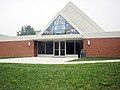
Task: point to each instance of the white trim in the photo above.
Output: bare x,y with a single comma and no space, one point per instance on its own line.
71,23
43,37
45,55
112,34
72,56
102,35
66,56
49,23
59,37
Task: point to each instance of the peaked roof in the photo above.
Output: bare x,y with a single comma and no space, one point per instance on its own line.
4,36
79,20
1,35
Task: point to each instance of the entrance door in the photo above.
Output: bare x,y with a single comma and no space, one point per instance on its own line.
59,48
56,53
62,48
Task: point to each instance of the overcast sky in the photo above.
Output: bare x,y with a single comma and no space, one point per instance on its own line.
37,13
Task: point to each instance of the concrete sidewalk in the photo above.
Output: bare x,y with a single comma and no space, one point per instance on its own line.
50,60
100,61
37,60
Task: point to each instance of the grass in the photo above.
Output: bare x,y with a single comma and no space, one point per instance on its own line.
93,59
102,76
5,57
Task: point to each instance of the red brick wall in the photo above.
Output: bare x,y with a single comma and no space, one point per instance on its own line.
17,49
102,47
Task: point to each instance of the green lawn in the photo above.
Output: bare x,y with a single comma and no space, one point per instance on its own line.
103,76
93,59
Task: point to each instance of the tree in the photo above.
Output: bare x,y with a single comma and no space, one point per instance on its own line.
26,30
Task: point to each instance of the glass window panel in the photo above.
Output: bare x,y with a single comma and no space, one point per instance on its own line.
62,52
56,45
79,46
68,26
56,52
69,47
77,43
60,26
62,45
41,47
49,47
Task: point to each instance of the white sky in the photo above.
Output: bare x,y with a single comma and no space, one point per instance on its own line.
37,13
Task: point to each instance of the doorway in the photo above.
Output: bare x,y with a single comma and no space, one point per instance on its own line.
59,48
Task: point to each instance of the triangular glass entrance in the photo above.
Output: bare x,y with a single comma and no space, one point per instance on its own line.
59,27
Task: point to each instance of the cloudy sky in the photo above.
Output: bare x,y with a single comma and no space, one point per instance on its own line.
37,13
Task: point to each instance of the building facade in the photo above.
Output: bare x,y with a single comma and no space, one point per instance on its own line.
69,32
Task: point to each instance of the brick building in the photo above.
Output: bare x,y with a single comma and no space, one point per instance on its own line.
69,32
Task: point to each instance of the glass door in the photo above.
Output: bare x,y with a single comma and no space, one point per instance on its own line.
56,48
59,48
62,48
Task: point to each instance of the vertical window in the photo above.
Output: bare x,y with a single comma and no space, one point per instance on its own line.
79,46
62,48
49,47
73,47
69,47
45,47
56,48
41,47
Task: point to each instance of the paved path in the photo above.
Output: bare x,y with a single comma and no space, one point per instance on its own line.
100,61
49,60
37,60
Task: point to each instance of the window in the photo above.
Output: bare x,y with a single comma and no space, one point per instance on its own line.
60,26
79,46
41,47
45,47
69,47
74,46
49,47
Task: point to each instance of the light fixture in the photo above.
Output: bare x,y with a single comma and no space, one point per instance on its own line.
29,44
88,42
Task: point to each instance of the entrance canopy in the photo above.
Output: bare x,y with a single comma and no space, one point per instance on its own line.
59,37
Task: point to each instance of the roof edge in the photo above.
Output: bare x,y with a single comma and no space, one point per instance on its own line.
86,17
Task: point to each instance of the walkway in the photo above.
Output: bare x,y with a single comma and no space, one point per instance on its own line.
49,60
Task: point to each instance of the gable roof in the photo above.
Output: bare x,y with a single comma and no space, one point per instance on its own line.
1,35
80,21
4,36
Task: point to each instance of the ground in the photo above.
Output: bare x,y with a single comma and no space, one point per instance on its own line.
94,59
51,60
97,76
